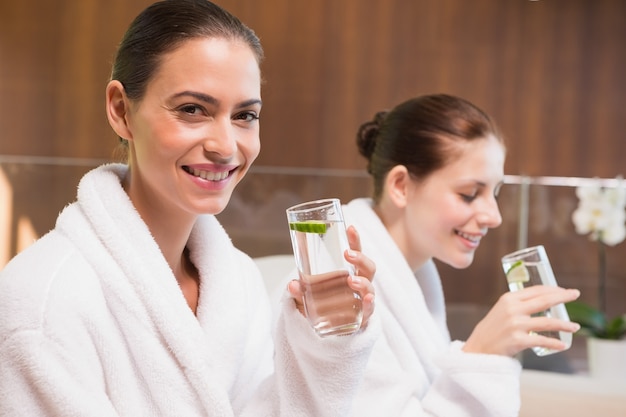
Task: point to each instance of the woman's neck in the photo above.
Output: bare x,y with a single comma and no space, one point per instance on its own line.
171,230
392,218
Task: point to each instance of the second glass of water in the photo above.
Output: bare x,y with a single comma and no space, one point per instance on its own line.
531,266
319,240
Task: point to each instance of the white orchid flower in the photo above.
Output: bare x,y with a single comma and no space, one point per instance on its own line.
601,213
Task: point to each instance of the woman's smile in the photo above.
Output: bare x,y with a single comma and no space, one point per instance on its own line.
211,177
215,174
471,240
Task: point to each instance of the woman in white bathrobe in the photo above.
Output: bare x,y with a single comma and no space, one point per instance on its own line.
437,165
137,303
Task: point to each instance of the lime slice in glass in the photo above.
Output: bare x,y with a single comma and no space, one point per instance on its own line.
518,273
311,226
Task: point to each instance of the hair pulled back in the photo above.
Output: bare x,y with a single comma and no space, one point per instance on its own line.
162,27
423,134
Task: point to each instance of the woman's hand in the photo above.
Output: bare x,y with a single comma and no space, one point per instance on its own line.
508,328
361,282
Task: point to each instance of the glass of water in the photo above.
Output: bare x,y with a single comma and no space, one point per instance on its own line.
319,240
531,266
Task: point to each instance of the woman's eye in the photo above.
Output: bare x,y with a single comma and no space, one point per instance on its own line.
247,116
191,109
468,198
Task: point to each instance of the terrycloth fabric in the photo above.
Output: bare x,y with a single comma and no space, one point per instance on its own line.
93,323
415,370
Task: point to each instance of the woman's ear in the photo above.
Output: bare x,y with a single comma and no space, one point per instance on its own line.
117,108
397,185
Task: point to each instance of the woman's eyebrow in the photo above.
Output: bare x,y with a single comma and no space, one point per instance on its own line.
251,102
199,96
213,101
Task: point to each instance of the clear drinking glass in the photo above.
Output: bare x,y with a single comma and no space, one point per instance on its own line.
319,240
531,266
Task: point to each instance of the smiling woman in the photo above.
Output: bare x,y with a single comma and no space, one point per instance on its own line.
437,164
137,302
194,133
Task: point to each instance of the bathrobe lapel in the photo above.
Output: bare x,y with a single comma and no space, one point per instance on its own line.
141,283
397,286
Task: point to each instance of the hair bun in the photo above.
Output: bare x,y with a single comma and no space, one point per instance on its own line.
368,133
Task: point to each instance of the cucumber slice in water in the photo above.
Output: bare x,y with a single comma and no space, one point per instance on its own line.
311,226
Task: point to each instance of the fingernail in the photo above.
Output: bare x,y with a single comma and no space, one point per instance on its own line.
355,279
575,327
351,253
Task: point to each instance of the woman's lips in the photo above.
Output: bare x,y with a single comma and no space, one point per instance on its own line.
209,175
472,238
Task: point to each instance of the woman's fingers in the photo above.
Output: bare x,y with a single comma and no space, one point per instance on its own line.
360,285
366,290
353,238
538,340
539,298
363,266
513,325
364,270
535,291
550,324
295,289
360,282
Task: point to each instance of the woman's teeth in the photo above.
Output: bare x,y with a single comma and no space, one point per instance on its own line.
471,238
208,175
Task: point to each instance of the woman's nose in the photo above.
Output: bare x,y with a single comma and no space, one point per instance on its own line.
489,215
220,139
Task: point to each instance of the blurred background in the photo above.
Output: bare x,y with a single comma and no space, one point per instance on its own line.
551,72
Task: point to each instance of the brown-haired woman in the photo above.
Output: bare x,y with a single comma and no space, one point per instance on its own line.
137,303
437,165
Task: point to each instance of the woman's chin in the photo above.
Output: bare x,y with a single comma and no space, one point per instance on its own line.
461,262
214,207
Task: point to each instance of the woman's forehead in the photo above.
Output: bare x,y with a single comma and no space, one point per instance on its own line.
208,63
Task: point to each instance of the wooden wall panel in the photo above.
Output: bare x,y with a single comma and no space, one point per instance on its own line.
550,71
55,60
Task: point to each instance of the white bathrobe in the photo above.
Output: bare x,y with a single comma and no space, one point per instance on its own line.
93,323
414,369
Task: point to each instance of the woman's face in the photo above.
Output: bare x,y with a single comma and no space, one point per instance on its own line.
450,211
195,132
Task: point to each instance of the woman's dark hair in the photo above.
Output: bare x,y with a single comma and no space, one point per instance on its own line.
162,27
420,134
